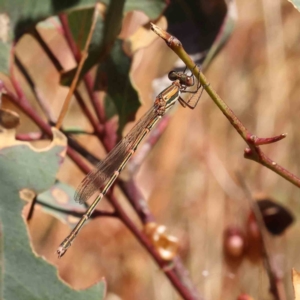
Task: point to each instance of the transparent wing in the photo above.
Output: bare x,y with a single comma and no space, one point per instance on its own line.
94,180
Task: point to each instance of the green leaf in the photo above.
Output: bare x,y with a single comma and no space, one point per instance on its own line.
58,201
21,16
110,107
18,17
119,90
4,57
25,276
25,14
296,4
105,33
80,22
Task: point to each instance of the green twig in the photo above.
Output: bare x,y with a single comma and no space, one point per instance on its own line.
253,152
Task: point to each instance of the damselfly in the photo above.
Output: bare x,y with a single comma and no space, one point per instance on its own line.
108,170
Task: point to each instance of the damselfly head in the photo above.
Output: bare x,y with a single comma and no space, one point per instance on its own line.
182,77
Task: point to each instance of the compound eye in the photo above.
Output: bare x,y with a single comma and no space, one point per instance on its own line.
172,76
189,80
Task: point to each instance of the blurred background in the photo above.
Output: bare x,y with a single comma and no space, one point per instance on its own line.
189,178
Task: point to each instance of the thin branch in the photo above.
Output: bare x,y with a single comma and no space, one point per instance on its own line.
85,153
47,50
136,199
96,214
24,105
87,79
31,209
96,101
74,144
84,55
43,103
264,141
181,283
253,152
98,128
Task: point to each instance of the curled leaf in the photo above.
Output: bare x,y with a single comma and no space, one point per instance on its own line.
276,217
24,172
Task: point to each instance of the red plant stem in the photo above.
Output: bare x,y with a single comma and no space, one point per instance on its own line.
136,199
48,113
263,141
260,157
28,137
41,101
97,104
96,126
171,273
23,104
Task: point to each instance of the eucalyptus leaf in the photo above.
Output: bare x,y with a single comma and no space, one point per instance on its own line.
58,201
106,31
23,15
23,170
18,17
